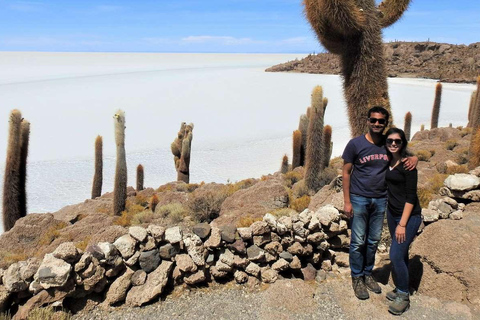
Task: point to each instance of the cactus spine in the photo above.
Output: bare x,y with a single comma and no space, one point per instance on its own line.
120,185
327,145
407,128
315,148
297,148
181,149
284,167
98,176
352,30
140,177
12,209
436,106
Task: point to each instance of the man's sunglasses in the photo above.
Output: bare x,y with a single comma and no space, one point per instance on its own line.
398,142
375,120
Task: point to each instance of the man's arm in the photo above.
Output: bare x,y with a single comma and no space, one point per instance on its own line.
347,205
410,163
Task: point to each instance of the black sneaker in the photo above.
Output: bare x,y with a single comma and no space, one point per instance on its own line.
359,288
372,285
400,304
391,295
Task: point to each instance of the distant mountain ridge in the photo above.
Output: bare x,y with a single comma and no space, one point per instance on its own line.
442,61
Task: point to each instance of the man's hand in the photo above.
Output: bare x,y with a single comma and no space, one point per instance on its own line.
410,163
348,210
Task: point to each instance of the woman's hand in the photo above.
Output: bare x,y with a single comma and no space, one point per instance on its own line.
400,234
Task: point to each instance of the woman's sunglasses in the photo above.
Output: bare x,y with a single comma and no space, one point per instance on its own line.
375,120
398,142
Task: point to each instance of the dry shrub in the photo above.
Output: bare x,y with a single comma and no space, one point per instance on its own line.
423,155
131,210
104,210
299,190
292,177
424,196
432,186
141,200
247,220
462,155
165,188
465,131
48,313
189,187
175,211
5,316
457,169
327,175
300,204
82,245
283,212
7,257
432,152
145,216
243,184
205,205
52,233
451,144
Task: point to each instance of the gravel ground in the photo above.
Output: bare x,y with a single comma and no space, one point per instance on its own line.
285,299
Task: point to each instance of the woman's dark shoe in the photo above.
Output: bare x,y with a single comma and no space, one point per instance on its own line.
359,288
372,285
391,295
400,304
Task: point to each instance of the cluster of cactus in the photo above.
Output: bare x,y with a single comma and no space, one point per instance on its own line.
474,122
436,106
407,127
120,184
352,30
181,149
14,187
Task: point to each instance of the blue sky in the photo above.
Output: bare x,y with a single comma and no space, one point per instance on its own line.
205,25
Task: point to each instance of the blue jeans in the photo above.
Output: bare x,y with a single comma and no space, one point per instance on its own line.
399,251
367,224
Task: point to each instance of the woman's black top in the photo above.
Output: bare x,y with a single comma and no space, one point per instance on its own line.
402,188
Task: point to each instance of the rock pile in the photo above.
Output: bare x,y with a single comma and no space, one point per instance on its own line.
137,267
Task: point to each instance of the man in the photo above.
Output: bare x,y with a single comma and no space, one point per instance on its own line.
365,198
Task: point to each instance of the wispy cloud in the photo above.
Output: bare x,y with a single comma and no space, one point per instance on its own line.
26,6
225,40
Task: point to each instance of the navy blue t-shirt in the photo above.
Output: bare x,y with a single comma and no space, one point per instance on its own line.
370,163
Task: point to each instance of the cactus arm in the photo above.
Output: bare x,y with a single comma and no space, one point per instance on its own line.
391,10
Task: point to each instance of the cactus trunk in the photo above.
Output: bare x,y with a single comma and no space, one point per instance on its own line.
181,149
140,177
407,128
284,167
436,106
327,145
120,185
297,148
98,176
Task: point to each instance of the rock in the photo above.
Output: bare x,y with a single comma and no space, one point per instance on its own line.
274,248
268,275
462,182
305,216
296,249
456,215
173,235
126,245
281,265
253,269
299,230
227,257
133,259
109,251
195,278
262,239
285,221
139,277
13,280
152,288
202,230
185,263
217,274
240,262
286,255
270,220
309,272
149,260
228,233
339,242
42,298
240,276
215,238
53,272
117,267
118,289
4,299
316,237
138,233
430,215
84,261
281,228
321,276
157,232
327,265
473,195
295,264
327,214
149,244
95,251
221,266
195,248
238,246
67,252
97,281
254,253
245,233
342,259
260,228
168,251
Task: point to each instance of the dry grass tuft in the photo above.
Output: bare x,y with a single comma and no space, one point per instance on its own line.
247,220
433,185
292,177
300,204
451,144
52,233
176,212
423,155
82,245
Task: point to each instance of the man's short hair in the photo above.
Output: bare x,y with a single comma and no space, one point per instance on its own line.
379,109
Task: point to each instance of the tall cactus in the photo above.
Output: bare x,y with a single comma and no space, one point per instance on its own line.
436,106
98,176
12,209
474,151
284,167
181,149
140,177
471,108
315,148
327,145
303,128
297,148
24,142
352,30
407,127
120,186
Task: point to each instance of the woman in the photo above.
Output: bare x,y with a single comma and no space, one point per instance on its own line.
403,216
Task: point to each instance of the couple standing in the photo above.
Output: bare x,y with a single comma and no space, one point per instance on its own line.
378,177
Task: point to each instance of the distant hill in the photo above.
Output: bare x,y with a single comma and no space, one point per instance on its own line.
446,62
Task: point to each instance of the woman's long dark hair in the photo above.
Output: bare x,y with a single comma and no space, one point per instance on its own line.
403,147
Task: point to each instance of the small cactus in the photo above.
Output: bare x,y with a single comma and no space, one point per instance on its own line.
297,148
303,128
140,177
327,145
181,149
407,128
284,167
422,127
120,185
154,202
98,176
436,106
